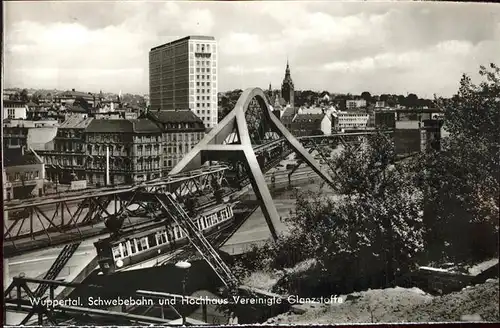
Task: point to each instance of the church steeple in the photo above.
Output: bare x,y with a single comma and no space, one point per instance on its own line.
287,88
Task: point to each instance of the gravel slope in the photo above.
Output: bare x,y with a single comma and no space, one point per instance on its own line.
476,303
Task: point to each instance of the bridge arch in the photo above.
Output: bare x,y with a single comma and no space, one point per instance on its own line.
212,147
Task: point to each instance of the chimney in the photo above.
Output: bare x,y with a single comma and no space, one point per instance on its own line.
73,90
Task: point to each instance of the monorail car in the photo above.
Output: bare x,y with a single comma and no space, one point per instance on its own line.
119,253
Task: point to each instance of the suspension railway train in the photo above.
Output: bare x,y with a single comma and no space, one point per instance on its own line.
121,253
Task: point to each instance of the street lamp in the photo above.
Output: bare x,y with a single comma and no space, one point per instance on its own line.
184,265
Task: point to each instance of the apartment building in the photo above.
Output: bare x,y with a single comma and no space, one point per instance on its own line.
181,131
131,147
183,75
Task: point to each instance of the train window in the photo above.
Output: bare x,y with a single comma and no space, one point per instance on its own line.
158,238
202,223
133,246
152,241
124,249
175,233
130,247
144,243
116,253
206,222
165,235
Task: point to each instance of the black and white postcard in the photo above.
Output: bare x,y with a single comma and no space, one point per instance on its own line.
183,163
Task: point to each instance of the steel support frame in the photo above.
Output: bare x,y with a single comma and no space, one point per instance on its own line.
91,208
212,147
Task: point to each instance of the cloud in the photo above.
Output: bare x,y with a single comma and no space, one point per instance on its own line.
340,47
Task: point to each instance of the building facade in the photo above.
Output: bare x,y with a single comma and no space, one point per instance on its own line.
350,120
183,75
417,130
69,97
132,148
384,119
181,131
15,109
66,161
352,104
22,133
311,124
24,173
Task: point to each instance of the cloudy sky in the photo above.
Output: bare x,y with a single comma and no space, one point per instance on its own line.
381,47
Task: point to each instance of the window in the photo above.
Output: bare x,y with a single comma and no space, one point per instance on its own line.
124,249
198,105
132,246
144,243
117,254
208,70
198,84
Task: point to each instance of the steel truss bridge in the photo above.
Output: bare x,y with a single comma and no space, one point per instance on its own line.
233,156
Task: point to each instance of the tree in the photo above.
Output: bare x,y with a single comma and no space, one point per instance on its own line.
401,100
24,95
411,100
461,183
36,98
374,229
15,96
367,96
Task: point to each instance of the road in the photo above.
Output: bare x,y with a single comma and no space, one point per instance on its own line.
35,265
